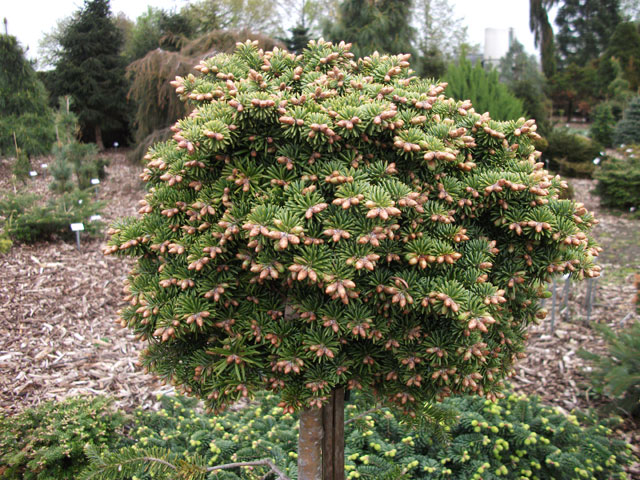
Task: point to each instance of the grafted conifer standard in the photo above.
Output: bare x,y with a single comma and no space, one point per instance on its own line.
320,222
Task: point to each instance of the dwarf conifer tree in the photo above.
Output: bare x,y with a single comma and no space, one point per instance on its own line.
319,223
628,128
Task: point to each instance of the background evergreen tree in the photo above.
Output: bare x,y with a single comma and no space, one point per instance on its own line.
543,33
603,126
157,28
319,224
484,90
91,70
23,104
521,74
584,28
624,45
373,25
628,129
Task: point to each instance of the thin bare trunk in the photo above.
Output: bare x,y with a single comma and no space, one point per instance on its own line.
310,444
98,131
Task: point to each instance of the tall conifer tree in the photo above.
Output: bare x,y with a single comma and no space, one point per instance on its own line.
584,29
373,25
23,103
91,69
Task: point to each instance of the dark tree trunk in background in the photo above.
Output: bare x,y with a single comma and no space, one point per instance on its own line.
98,132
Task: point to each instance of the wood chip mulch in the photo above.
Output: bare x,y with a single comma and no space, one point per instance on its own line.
58,307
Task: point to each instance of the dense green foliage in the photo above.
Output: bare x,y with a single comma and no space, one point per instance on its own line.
628,128
571,154
48,442
29,218
619,180
157,28
330,222
382,26
23,104
80,160
617,375
624,45
91,70
603,126
584,29
516,438
484,90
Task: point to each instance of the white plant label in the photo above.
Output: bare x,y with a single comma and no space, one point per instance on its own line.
77,227
95,181
95,218
33,173
44,165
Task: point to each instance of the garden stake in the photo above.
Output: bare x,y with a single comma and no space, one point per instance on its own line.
553,306
565,292
589,298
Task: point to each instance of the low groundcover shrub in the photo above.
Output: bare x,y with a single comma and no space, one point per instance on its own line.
48,442
515,438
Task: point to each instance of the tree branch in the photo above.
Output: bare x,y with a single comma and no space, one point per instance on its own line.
363,414
265,461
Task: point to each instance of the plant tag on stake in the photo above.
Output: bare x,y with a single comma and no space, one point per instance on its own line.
95,218
95,182
33,173
77,227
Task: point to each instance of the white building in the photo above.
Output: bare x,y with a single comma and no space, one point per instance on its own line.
497,42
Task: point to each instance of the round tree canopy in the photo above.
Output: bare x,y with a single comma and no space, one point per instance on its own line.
320,222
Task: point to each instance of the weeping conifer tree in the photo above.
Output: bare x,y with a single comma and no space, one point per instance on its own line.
319,224
155,103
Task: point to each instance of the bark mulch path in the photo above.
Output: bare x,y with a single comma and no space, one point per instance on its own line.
58,307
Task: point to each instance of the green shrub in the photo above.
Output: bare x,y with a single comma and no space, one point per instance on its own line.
62,173
628,128
617,375
571,154
603,126
484,90
619,180
5,243
83,159
28,219
21,166
513,439
47,442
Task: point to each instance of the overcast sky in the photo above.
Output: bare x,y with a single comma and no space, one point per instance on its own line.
30,19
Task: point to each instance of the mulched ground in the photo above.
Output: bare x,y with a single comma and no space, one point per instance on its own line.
58,306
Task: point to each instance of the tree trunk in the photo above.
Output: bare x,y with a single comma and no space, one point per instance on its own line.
321,440
333,441
98,132
310,444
